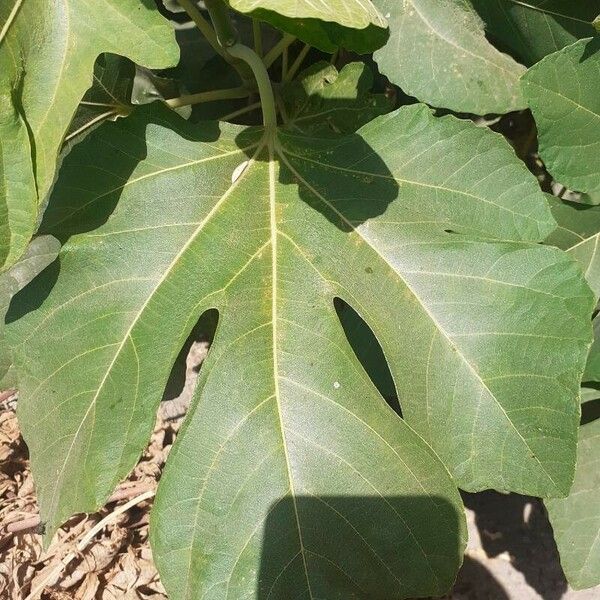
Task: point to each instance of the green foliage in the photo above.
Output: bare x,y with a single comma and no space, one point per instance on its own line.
47,54
438,53
576,519
536,28
325,24
402,312
562,92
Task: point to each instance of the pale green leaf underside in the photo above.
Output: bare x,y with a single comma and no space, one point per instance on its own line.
535,28
269,232
326,24
562,92
47,54
438,53
576,519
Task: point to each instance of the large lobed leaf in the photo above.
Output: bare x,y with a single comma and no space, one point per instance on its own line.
47,54
535,28
438,53
562,92
289,450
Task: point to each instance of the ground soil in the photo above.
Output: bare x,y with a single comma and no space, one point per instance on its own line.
511,553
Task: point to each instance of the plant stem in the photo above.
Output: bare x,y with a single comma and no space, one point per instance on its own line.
210,96
241,111
225,32
297,63
202,24
219,15
274,53
262,80
211,37
284,64
258,45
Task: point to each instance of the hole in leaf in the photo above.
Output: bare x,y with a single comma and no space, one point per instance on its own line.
184,374
369,352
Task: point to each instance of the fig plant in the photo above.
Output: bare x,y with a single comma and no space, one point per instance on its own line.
296,166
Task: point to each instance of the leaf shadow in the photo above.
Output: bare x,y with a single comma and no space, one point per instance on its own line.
112,155
339,176
591,48
518,525
357,547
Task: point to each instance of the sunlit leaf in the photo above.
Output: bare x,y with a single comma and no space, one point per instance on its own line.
562,92
438,53
576,519
403,221
47,54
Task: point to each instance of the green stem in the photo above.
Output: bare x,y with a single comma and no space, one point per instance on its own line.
210,96
239,112
274,53
257,34
211,37
202,24
262,80
284,64
219,14
297,63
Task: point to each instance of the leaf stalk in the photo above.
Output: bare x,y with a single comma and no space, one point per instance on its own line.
209,96
226,33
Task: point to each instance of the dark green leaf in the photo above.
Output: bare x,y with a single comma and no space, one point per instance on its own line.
536,28
270,228
562,92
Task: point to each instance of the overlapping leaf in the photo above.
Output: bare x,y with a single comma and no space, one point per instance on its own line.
536,28
562,92
578,233
326,24
47,54
438,53
398,220
41,252
576,519
323,100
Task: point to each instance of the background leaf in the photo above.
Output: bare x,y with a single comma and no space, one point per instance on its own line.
576,519
438,53
328,25
47,54
536,28
321,99
562,92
